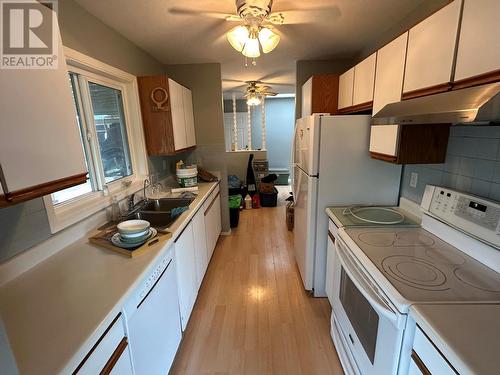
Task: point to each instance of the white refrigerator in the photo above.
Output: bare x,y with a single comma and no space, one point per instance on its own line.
332,167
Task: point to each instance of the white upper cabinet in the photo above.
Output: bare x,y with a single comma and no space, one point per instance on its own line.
39,136
307,98
479,43
364,79
189,117
431,49
389,73
346,86
181,104
178,116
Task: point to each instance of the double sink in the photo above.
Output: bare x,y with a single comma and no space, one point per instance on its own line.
158,211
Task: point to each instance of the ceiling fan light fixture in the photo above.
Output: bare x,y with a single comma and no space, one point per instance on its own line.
253,100
268,39
238,37
251,48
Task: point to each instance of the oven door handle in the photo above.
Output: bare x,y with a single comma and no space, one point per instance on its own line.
379,305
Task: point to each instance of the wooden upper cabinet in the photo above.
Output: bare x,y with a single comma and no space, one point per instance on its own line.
431,51
167,115
478,57
40,147
364,79
389,73
320,94
346,88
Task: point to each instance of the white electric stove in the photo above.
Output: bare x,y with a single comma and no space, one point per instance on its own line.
381,271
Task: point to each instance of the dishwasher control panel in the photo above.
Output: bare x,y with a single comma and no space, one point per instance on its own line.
471,214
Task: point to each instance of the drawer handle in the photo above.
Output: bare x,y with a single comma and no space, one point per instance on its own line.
108,367
211,203
421,366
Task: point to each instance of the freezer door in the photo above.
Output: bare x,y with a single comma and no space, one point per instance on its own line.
306,144
305,190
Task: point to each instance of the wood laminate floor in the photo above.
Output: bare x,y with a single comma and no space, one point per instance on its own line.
252,315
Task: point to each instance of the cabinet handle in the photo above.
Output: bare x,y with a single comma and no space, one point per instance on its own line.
332,237
211,203
3,183
421,366
108,367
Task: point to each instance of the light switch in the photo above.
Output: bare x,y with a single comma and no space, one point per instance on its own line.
413,179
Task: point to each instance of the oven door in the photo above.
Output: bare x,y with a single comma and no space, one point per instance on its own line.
373,328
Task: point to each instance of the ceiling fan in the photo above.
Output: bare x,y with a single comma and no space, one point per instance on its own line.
255,91
258,32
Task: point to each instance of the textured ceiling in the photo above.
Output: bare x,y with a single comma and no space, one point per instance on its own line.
177,32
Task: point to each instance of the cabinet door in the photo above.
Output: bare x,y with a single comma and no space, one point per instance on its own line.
213,224
389,73
186,273
330,262
364,79
479,43
384,139
40,139
178,119
189,117
346,86
431,47
200,246
307,98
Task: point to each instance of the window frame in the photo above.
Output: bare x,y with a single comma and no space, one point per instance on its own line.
64,214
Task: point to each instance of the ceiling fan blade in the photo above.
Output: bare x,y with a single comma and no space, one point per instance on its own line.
301,16
194,12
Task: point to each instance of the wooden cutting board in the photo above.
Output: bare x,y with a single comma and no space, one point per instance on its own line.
103,239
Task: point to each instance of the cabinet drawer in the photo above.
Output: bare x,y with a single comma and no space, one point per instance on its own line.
103,350
427,357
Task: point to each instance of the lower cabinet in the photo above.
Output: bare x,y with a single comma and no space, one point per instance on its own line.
200,246
185,260
110,354
330,263
212,223
426,358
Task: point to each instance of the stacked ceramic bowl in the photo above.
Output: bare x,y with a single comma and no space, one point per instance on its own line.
133,233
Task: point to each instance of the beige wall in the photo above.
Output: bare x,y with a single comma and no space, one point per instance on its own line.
306,69
85,33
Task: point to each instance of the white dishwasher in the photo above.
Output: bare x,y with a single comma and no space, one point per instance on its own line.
153,319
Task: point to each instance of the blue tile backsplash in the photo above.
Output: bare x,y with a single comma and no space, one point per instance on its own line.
472,165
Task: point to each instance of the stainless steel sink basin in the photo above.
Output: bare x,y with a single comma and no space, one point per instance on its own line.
166,204
157,219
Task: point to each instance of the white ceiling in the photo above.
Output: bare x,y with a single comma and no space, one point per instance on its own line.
176,32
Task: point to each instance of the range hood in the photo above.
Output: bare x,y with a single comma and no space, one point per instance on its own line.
475,105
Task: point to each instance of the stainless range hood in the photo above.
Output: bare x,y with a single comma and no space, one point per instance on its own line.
474,105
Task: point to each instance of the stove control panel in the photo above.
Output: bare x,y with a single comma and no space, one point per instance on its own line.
471,214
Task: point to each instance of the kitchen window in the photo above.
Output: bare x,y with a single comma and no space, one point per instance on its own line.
107,113
103,134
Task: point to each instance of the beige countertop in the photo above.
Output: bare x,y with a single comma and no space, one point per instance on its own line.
467,335
54,312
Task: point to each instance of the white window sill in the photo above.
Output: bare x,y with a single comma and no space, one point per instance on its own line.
66,214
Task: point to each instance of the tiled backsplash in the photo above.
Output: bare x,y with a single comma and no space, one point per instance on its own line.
472,165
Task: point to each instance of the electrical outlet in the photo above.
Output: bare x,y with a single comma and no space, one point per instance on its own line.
413,179
164,165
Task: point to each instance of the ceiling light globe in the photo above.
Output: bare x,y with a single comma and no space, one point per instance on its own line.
238,37
251,48
253,100
268,39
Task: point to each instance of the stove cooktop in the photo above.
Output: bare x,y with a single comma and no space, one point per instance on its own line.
423,268
371,216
